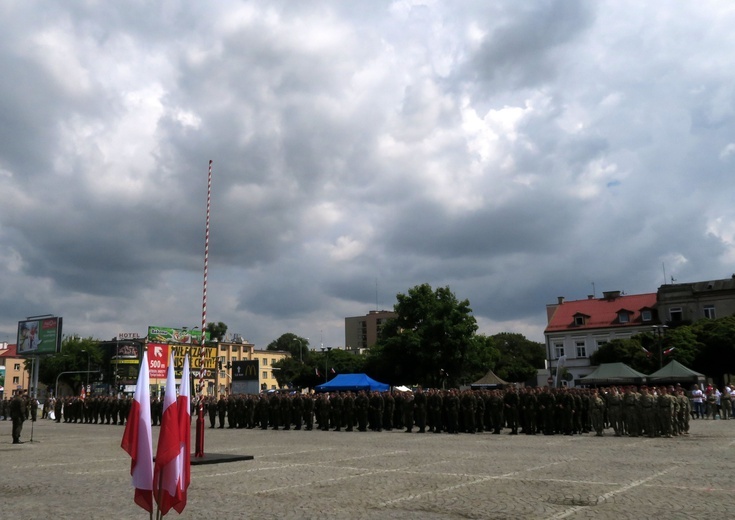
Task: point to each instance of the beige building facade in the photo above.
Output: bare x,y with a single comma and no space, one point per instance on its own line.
15,375
362,332
227,352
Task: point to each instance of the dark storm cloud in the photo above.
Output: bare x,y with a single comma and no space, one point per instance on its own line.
514,152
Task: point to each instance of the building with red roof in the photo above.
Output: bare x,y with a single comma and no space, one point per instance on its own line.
15,376
576,329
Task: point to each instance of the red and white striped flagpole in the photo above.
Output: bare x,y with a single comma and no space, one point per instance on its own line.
202,349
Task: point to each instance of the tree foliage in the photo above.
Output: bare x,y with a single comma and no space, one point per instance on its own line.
433,331
216,331
289,342
520,358
76,355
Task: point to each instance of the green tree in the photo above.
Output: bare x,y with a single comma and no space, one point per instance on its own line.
520,358
216,331
432,331
630,351
297,346
76,355
716,357
482,355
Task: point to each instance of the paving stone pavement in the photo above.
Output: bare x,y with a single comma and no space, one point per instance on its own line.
79,471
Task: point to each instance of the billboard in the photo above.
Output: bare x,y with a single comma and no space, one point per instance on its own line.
158,357
245,370
245,377
39,336
157,360
174,335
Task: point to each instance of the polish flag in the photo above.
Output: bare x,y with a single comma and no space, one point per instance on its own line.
184,457
138,440
316,371
669,351
166,472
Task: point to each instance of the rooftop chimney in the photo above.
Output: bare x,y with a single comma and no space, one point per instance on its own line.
560,299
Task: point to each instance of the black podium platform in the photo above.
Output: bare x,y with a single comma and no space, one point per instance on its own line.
218,458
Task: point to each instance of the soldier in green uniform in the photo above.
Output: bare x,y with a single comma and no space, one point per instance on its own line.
451,410
348,411
286,404
434,404
389,410
297,410
648,406
419,403
308,413
376,411
17,415
361,410
510,409
335,411
468,405
408,412
597,412
614,411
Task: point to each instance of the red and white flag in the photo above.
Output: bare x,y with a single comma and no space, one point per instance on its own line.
138,440
184,457
166,471
669,351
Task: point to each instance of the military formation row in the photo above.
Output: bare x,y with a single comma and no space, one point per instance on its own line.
529,410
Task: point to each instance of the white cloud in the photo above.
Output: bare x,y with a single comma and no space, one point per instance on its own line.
511,151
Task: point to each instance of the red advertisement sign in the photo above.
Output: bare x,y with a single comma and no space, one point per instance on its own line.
157,360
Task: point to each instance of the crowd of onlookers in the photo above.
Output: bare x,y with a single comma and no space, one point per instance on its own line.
634,411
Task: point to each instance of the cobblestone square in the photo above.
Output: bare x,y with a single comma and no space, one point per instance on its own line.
79,471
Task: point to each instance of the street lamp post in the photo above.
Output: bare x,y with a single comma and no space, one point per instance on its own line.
86,388
326,362
658,332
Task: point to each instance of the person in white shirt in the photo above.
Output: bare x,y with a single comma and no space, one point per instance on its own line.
698,402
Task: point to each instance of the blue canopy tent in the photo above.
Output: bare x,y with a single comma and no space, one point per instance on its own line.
353,382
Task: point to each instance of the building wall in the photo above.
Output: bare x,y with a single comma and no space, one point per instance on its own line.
229,352
690,302
362,332
15,374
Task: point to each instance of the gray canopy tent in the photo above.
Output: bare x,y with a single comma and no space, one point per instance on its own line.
675,372
614,374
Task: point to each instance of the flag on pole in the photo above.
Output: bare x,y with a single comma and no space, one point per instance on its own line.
138,440
333,370
166,471
648,352
669,351
184,457
316,371
83,395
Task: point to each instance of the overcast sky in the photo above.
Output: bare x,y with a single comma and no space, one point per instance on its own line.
513,151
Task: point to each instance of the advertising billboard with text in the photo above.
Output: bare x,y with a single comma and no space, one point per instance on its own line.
39,336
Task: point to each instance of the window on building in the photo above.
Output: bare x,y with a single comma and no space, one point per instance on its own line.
581,349
222,348
265,362
579,319
265,375
623,317
646,315
558,350
273,361
236,348
709,312
16,367
600,342
222,374
676,314
16,380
